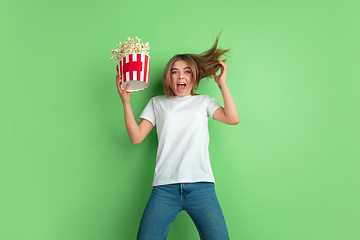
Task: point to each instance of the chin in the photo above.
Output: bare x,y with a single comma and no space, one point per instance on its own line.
184,93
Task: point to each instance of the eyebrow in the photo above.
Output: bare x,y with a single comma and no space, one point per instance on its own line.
178,69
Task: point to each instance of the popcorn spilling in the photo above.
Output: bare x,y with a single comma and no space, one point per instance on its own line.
131,46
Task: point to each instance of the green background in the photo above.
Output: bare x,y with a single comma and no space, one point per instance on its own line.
288,170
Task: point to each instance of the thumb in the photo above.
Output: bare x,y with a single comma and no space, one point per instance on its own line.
215,77
127,87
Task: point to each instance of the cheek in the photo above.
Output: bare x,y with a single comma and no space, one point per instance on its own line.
172,81
191,79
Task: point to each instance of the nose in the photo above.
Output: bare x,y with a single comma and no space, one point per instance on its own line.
181,76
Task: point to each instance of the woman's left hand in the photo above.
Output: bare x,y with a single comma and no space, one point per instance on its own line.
222,76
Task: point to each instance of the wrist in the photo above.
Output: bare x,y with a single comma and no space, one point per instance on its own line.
125,102
221,85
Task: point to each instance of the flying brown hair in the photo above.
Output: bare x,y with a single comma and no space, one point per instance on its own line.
202,65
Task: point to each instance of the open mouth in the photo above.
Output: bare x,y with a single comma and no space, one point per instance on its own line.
181,86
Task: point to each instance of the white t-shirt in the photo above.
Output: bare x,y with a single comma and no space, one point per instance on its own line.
182,129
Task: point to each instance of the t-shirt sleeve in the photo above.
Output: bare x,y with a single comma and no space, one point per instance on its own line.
149,112
212,106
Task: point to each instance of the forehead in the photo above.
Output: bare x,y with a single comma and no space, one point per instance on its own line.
181,64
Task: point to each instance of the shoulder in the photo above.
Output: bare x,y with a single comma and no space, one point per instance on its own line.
159,97
203,98
209,102
158,100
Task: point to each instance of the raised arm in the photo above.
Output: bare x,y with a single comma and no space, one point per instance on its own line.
229,113
137,133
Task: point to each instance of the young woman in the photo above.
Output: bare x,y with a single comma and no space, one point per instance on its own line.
183,178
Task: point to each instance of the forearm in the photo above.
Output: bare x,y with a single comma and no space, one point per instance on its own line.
230,108
132,127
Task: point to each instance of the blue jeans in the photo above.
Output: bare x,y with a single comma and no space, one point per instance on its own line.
197,199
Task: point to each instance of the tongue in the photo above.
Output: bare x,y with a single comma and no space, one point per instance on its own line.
181,87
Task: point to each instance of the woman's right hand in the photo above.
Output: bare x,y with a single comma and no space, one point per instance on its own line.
124,94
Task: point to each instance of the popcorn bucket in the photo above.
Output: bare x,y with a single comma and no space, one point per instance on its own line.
134,70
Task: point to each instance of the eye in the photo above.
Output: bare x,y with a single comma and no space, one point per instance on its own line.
187,71
174,72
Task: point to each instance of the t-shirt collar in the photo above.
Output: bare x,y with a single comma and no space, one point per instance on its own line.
176,98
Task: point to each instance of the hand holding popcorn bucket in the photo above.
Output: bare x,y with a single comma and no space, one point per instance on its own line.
134,64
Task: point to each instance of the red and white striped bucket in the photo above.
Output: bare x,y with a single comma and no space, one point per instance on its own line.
134,69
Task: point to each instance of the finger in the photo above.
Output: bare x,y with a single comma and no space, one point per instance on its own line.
118,82
223,65
127,87
122,87
221,70
222,62
215,77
